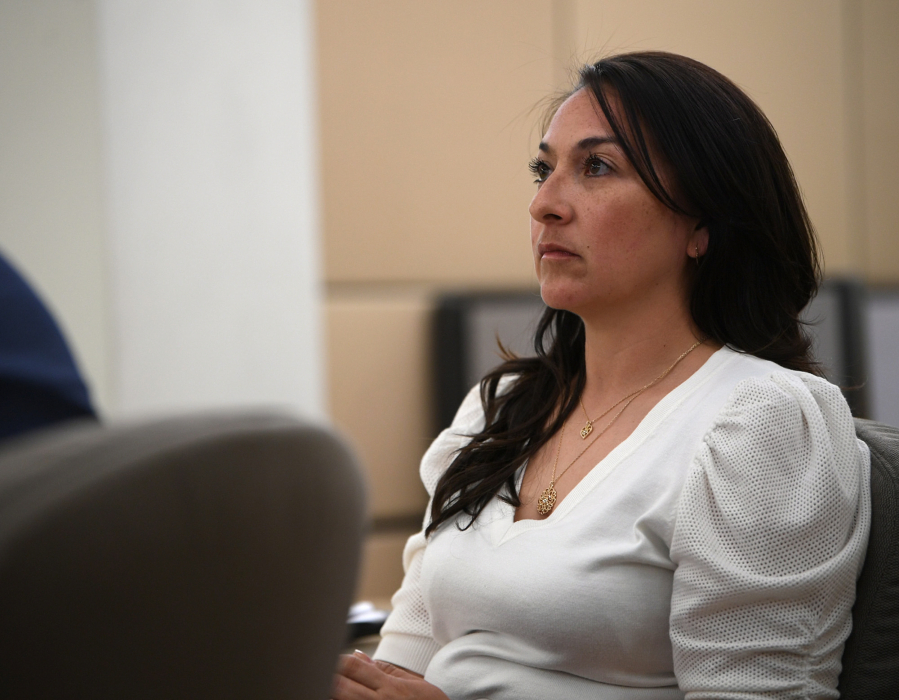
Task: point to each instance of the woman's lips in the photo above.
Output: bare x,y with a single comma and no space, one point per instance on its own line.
551,251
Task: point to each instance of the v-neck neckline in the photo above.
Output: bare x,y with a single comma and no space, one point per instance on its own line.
602,469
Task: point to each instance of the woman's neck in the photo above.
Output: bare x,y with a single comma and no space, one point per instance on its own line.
623,356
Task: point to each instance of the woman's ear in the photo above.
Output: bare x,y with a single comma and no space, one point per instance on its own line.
699,240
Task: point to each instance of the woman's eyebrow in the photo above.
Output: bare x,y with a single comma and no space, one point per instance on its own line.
594,141
582,145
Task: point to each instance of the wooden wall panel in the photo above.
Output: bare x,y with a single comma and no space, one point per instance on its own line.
879,113
381,571
426,134
378,353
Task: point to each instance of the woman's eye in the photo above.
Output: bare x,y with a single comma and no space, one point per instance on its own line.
594,165
540,169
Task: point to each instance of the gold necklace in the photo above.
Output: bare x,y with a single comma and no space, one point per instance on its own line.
588,426
547,500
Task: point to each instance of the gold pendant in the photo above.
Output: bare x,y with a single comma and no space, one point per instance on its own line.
547,500
586,430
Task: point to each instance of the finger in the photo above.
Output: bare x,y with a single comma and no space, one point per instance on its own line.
344,688
397,671
362,671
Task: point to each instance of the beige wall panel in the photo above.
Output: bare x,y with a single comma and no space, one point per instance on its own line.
426,135
381,572
880,41
786,55
378,354
854,131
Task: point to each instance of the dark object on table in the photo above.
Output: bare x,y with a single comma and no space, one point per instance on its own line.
364,620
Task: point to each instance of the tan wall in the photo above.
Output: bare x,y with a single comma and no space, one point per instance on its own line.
425,128
878,114
428,122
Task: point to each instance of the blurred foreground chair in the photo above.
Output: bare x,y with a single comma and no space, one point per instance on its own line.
871,656
204,557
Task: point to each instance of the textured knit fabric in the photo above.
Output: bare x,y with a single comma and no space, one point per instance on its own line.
712,554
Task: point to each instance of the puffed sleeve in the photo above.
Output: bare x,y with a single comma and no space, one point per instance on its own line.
770,535
406,638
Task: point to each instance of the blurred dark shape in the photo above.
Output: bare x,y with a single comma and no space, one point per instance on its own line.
871,656
39,382
364,620
204,556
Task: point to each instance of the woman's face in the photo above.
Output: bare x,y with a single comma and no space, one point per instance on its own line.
600,239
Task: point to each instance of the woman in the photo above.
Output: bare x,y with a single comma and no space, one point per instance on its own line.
668,501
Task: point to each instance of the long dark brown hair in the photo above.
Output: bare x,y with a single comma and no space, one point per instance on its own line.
760,269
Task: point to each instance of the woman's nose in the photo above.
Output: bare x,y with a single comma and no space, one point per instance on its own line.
550,204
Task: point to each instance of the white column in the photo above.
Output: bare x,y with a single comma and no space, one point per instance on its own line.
210,154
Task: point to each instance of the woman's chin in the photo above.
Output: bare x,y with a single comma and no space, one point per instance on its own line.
561,299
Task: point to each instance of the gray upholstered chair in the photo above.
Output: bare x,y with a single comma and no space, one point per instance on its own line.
206,557
871,657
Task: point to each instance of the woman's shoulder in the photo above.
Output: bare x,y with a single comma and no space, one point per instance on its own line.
780,463
757,421
736,388
772,398
777,431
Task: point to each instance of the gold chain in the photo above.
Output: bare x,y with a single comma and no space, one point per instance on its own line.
547,500
588,426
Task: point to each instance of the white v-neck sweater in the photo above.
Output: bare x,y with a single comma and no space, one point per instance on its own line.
712,555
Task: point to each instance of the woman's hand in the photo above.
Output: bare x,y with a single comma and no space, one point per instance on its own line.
360,678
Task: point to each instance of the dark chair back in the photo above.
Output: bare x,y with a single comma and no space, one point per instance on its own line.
871,656
210,557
